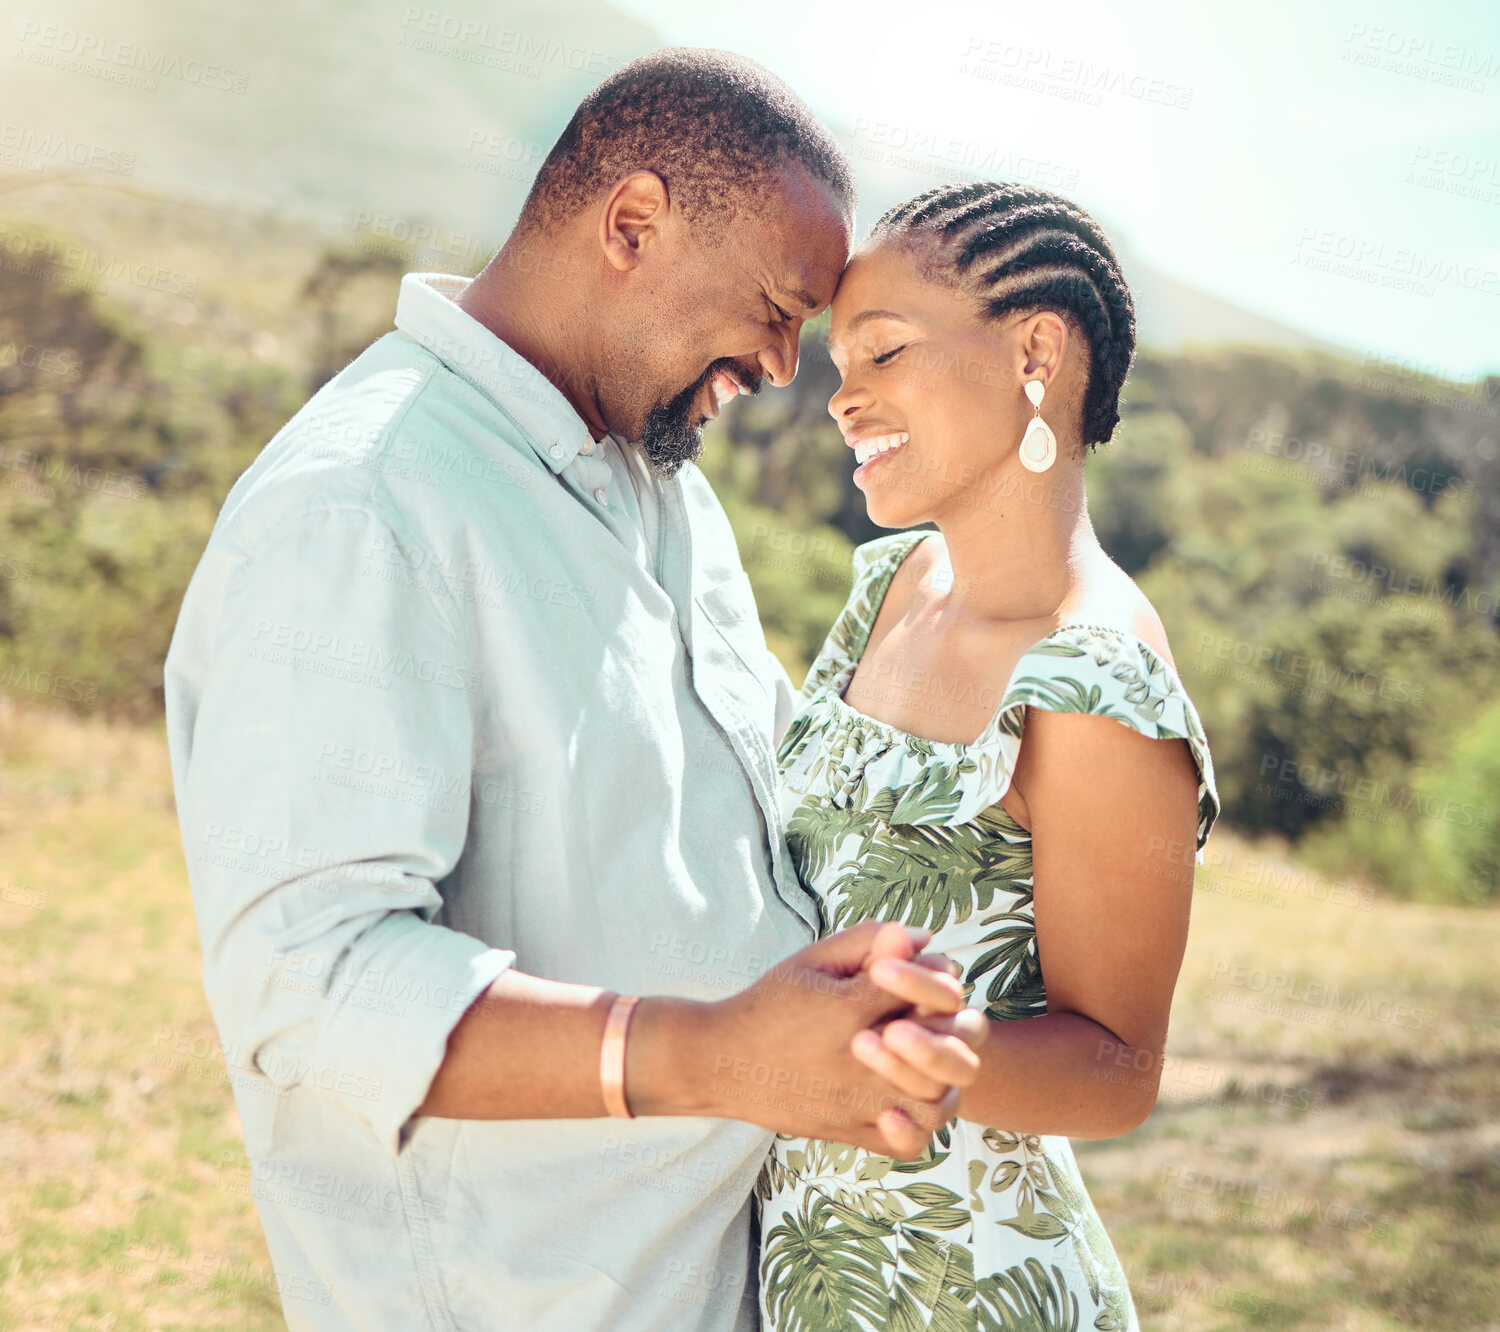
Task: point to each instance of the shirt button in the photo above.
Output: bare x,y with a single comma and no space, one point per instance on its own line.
601,496
586,447
556,451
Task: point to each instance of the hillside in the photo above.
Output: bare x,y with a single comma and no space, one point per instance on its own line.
214,104
429,124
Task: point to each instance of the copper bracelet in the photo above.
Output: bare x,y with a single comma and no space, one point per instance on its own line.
612,1055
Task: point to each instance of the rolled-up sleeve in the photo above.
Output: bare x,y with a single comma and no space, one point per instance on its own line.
322,691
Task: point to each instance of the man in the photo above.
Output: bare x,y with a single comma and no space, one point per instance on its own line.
472,728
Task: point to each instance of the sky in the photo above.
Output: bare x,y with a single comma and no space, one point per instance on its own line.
1333,166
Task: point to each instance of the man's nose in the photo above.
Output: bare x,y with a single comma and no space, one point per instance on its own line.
779,359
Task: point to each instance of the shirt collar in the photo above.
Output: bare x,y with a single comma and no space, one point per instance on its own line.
428,313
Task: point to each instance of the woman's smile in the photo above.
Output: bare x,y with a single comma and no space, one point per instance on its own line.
872,448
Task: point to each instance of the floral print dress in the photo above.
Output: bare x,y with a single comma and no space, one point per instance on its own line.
988,1229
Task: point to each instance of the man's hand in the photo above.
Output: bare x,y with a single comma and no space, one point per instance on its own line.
794,1051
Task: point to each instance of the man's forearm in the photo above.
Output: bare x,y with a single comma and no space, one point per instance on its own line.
779,1053
528,1048
1059,1074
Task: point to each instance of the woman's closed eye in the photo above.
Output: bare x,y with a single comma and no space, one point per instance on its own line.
886,357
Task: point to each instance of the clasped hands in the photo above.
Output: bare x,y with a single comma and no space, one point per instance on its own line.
858,1038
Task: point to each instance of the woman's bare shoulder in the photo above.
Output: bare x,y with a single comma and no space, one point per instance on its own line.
1111,599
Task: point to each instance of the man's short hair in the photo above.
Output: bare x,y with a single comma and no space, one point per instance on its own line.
713,125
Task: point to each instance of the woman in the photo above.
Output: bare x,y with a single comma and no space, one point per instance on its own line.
994,743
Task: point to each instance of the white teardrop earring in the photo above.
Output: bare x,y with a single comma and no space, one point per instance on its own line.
1038,444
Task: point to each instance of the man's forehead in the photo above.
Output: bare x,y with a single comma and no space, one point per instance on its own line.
809,294
810,268
809,234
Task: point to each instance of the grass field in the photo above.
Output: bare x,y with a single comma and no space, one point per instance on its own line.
1326,1153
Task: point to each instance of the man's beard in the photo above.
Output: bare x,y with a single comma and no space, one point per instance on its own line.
670,438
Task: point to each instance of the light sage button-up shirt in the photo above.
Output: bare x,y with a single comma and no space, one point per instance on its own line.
456,687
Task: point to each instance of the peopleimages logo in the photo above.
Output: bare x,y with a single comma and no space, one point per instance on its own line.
108,59
1420,56
931,151
1355,465
1408,584
1301,991
283,643
1310,672
1069,77
1327,783
508,50
1404,268
43,257
42,146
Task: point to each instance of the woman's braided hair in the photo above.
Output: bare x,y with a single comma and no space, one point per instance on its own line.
1022,249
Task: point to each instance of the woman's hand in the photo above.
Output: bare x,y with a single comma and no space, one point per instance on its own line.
933,1046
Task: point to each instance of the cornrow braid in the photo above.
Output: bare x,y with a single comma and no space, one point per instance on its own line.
1021,249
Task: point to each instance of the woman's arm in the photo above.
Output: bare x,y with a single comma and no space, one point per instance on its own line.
1113,820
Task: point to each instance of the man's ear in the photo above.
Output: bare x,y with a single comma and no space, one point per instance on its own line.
632,218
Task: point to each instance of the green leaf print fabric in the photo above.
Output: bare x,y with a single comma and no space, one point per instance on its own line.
988,1230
